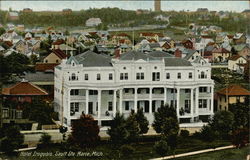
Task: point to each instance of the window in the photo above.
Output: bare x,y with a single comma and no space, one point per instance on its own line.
173,103
139,76
202,103
98,76
86,77
93,92
19,114
126,105
5,113
202,89
110,92
123,76
74,107
187,104
156,76
202,75
73,76
74,92
110,106
46,61
110,76
173,90
126,90
190,75
167,75
179,75
57,61
187,90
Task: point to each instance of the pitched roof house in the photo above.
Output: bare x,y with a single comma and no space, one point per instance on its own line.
55,56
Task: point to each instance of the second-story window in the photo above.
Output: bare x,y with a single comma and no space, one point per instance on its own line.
179,75
98,76
203,75
74,92
86,77
202,89
123,76
167,75
190,75
139,76
73,77
156,76
110,76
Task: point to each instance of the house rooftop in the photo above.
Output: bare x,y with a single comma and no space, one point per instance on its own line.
234,90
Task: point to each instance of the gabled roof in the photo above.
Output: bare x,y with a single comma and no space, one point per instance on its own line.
176,62
59,53
220,50
159,54
235,57
24,88
135,55
92,59
45,66
234,90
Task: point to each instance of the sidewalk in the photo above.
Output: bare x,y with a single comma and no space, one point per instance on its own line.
194,153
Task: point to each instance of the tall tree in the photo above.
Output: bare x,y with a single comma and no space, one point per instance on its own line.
142,121
132,127
241,114
85,132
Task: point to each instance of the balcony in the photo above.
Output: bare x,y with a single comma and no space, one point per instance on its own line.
157,96
79,98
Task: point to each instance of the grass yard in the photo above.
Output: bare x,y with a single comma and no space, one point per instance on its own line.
229,154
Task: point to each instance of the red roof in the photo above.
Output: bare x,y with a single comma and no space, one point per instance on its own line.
122,35
8,43
230,36
59,53
122,41
24,88
152,41
58,42
234,58
220,50
234,90
45,66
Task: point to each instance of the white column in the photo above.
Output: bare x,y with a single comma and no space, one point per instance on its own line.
135,100
87,101
178,103
99,103
150,100
212,99
192,104
165,95
120,105
69,116
114,103
197,100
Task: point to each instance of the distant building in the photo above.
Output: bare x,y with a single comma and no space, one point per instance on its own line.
246,12
157,5
67,11
13,16
142,11
91,22
202,10
27,10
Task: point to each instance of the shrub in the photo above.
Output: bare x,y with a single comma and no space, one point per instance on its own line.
127,149
45,139
184,133
240,137
161,147
208,134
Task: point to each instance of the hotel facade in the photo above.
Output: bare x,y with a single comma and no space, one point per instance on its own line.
99,85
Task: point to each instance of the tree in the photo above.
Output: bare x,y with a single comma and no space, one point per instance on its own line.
117,130
170,126
208,134
2,30
142,121
160,116
241,114
45,139
33,59
240,137
132,128
85,132
161,147
223,122
12,139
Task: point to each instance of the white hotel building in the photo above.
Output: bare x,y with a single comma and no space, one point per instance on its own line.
98,85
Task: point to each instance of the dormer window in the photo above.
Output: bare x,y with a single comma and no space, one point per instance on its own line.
73,64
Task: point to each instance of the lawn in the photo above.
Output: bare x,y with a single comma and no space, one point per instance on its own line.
143,150
229,154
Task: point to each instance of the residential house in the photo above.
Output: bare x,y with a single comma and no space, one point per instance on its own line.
190,54
235,63
56,56
27,10
28,35
13,16
150,35
239,38
231,95
20,93
243,50
91,22
188,44
220,55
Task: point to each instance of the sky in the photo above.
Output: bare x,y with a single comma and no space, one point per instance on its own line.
214,5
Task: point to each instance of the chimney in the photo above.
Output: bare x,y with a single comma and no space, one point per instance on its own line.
117,53
178,53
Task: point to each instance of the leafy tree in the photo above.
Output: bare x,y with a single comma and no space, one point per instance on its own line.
33,59
142,121
161,147
208,134
12,139
45,139
127,150
117,131
223,122
241,114
160,116
2,30
184,133
85,132
170,126
132,128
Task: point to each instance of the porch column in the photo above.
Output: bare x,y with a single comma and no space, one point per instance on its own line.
135,100
114,103
120,105
165,95
212,99
87,101
178,103
192,104
197,100
99,103
150,100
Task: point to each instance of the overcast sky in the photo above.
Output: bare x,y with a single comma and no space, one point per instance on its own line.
215,5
